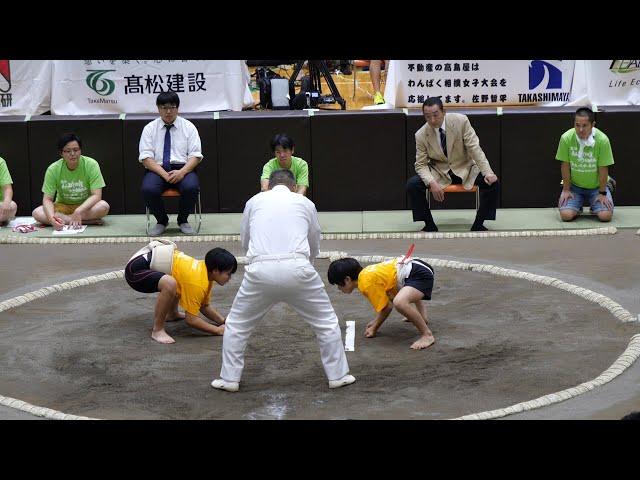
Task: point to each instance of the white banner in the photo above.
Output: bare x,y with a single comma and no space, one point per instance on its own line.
89,87
479,83
25,87
606,82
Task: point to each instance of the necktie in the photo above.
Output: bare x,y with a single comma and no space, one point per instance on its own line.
166,153
443,141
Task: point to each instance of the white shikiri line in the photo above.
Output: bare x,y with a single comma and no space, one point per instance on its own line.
350,336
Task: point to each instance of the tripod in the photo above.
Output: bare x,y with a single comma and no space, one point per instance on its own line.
316,69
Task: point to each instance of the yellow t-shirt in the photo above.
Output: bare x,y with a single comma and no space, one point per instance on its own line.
194,287
378,283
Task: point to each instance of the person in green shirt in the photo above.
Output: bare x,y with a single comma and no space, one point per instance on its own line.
283,147
75,183
585,153
8,207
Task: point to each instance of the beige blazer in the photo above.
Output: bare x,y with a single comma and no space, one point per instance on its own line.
465,157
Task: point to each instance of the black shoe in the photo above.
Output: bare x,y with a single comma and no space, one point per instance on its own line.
430,228
478,228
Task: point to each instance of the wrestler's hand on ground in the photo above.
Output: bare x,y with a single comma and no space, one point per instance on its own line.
220,329
371,329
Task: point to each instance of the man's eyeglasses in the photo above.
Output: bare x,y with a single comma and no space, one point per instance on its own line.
168,108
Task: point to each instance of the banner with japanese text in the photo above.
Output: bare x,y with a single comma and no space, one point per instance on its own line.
89,87
479,82
25,87
606,82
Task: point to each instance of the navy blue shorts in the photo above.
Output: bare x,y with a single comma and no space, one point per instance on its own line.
421,278
139,275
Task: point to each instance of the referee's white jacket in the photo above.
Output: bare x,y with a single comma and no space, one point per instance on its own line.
280,221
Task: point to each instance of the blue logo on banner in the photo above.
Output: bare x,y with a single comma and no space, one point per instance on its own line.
537,71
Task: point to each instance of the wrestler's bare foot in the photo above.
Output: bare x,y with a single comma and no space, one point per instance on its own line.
175,316
371,330
407,320
423,342
162,337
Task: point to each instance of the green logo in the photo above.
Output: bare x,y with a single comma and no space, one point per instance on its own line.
102,86
624,66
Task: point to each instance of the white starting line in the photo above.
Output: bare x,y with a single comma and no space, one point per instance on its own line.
350,336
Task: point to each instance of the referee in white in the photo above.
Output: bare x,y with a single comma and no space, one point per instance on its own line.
281,233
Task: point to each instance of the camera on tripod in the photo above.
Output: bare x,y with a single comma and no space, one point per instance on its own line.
315,98
277,93
310,95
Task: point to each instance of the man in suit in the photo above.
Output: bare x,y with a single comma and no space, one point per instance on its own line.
448,151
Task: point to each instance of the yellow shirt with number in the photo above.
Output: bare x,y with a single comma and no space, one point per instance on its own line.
194,287
378,283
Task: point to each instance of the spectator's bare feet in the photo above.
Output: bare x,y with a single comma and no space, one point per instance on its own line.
175,316
93,221
162,337
371,330
423,342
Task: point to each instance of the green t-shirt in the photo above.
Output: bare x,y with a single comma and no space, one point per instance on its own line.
72,186
299,168
5,177
584,169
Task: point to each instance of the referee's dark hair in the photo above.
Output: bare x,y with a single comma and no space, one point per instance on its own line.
282,177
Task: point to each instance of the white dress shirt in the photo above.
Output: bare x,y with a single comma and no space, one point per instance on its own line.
279,221
185,141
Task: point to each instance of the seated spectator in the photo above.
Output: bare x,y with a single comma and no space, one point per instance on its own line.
8,207
283,147
170,151
72,188
585,153
448,152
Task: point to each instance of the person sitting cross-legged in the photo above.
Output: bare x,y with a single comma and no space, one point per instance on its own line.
72,189
8,207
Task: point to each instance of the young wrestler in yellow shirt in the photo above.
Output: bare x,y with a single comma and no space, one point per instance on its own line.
379,284
189,285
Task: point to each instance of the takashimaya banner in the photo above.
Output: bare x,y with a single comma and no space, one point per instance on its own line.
131,86
606,82
479,82
25,87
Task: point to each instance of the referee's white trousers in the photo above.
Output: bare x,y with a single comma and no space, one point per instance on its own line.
293,281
